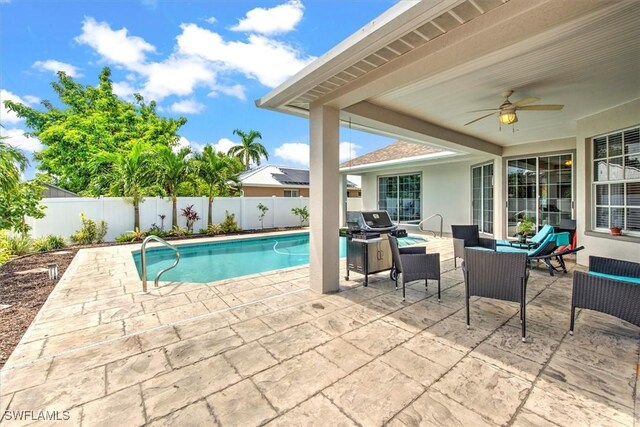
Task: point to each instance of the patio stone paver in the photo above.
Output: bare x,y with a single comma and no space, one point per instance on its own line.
250,359
91,357
295,380
173,390
377,337
360,356
569,406
195,415
343,354
241,405
135,369
374,393
123,408
435,409
490,391
315,412
201,347
293,341
253,329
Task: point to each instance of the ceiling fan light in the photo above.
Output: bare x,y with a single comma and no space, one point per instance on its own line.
507,117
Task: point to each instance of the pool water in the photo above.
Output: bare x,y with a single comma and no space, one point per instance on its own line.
208,262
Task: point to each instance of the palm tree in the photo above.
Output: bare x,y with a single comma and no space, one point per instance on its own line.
249,149
12,164
219,172
174,168
128,174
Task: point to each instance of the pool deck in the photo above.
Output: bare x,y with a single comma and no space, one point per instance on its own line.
264,349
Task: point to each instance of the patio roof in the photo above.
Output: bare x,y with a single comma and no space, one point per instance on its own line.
389,79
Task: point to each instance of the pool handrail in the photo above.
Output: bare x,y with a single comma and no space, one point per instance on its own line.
143,260
427,219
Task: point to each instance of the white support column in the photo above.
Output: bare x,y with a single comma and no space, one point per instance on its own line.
324,200
342,217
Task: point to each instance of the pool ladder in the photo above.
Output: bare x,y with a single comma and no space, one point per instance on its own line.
431,231
143,260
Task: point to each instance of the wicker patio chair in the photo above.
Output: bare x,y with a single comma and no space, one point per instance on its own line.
413,263
466,236
497,275
611,286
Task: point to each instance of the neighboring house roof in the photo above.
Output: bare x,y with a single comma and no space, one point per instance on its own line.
52,191
397,150
276,176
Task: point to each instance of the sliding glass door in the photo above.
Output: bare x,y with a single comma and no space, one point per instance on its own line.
541,189
482,197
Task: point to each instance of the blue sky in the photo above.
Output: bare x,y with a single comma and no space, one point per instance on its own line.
204,60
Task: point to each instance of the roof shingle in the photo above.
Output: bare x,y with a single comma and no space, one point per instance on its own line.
397,150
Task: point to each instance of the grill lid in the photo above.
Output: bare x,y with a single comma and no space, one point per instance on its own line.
371,220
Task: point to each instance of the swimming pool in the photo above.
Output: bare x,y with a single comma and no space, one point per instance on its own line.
208,262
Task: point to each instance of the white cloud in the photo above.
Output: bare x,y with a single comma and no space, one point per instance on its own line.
248,58
348,151
124,90
55,66
115,46
177,75
223,145
187,106
17,138
7,116
294,152
211,20
30,99
276,20
236,90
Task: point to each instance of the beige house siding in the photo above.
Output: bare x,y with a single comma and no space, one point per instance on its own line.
249,191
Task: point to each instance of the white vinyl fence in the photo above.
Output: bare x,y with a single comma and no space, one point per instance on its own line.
62,215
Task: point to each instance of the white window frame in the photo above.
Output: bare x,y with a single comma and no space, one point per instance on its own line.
398,175
594,183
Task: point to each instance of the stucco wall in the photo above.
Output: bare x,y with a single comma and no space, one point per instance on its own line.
249,191
621,117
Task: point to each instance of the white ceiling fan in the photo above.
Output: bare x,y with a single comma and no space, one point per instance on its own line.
507,110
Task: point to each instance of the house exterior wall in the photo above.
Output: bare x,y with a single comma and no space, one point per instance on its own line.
602,244
249,191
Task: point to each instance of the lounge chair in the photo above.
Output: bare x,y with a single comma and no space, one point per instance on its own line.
413,263
498,275
611,286
468,236
553,248
531,243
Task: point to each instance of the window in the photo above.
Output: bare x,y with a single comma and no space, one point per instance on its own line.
482,197
616,181
291,193
400,196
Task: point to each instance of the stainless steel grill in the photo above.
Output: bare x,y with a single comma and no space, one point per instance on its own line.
378,221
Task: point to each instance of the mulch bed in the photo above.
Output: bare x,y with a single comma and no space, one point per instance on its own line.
26,293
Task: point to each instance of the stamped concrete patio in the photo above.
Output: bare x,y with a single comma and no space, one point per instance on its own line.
263,349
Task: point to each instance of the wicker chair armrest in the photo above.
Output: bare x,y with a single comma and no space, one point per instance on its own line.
458,247
615,267
416,250
487,243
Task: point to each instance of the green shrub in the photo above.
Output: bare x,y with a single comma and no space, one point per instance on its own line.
131,236
178,231
229,225
48,243
123,238
90,232
4,250
301,213
211,230
19,245
158,233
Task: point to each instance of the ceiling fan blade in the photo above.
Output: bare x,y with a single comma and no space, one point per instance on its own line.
479,118
526,101
486,109
547,107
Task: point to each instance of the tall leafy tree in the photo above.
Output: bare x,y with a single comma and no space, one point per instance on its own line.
127,174
20,201
249,149
12,164
174,169
219,172
91,120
